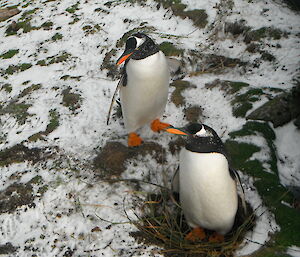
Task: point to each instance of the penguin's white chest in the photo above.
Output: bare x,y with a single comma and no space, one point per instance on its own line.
144,97
208,194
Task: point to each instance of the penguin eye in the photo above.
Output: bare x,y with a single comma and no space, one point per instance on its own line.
131,43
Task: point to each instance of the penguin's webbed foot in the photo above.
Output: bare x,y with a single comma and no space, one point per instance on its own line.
157,126
196,234
216,238
134,139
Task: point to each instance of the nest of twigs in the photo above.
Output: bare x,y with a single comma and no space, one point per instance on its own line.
162,223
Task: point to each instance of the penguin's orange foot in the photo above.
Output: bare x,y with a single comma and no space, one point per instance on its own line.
134,139
196,234
216,238
157,126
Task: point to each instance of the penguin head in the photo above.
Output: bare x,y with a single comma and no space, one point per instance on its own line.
138,46
199,138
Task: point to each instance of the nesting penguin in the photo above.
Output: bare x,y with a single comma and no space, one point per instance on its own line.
144,85
206,184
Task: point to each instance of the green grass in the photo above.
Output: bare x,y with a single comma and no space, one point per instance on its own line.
243,102
169,49
57,36
17,68
54,122
29,90
17,110
9,54
237,86
73,8
71,100
7,87
62,57
268,185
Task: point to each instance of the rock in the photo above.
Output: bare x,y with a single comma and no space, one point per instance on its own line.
193,113
6,13
180,85
111,161
297,122
7,248
280,110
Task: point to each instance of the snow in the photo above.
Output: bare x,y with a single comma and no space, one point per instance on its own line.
287,143
78,201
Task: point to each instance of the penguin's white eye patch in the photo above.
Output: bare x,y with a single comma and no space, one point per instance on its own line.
203,133
139,41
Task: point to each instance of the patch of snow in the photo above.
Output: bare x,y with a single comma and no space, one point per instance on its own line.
287,143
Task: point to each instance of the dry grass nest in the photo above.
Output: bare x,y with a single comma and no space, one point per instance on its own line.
162,223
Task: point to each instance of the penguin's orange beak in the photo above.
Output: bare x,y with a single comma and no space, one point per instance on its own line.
123,58
176,131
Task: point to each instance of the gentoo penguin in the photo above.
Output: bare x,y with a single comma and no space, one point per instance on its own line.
207,186
144,85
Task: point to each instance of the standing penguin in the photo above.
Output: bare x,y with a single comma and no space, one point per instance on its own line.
144,85
207,186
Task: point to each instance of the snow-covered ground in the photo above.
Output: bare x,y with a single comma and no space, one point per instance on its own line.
71,211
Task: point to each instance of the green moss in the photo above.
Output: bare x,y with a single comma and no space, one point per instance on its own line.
54,122
264,32
57,36
25,66
237,86
240,110
267,184
177,97
36,180
91,29
9,54
267,56
87,27
252,127
52,125
17,68
41,63
26,82
29,90
169,49
264,130
26,5
240,152
199,17
47,25
71,100
61,58
73,8
17,110
243,102
27,14
25,25
42,189
67,77
64,56
75,19
7,87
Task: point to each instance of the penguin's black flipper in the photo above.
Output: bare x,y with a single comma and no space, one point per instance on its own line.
175,187
175,181
113,100
235,175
